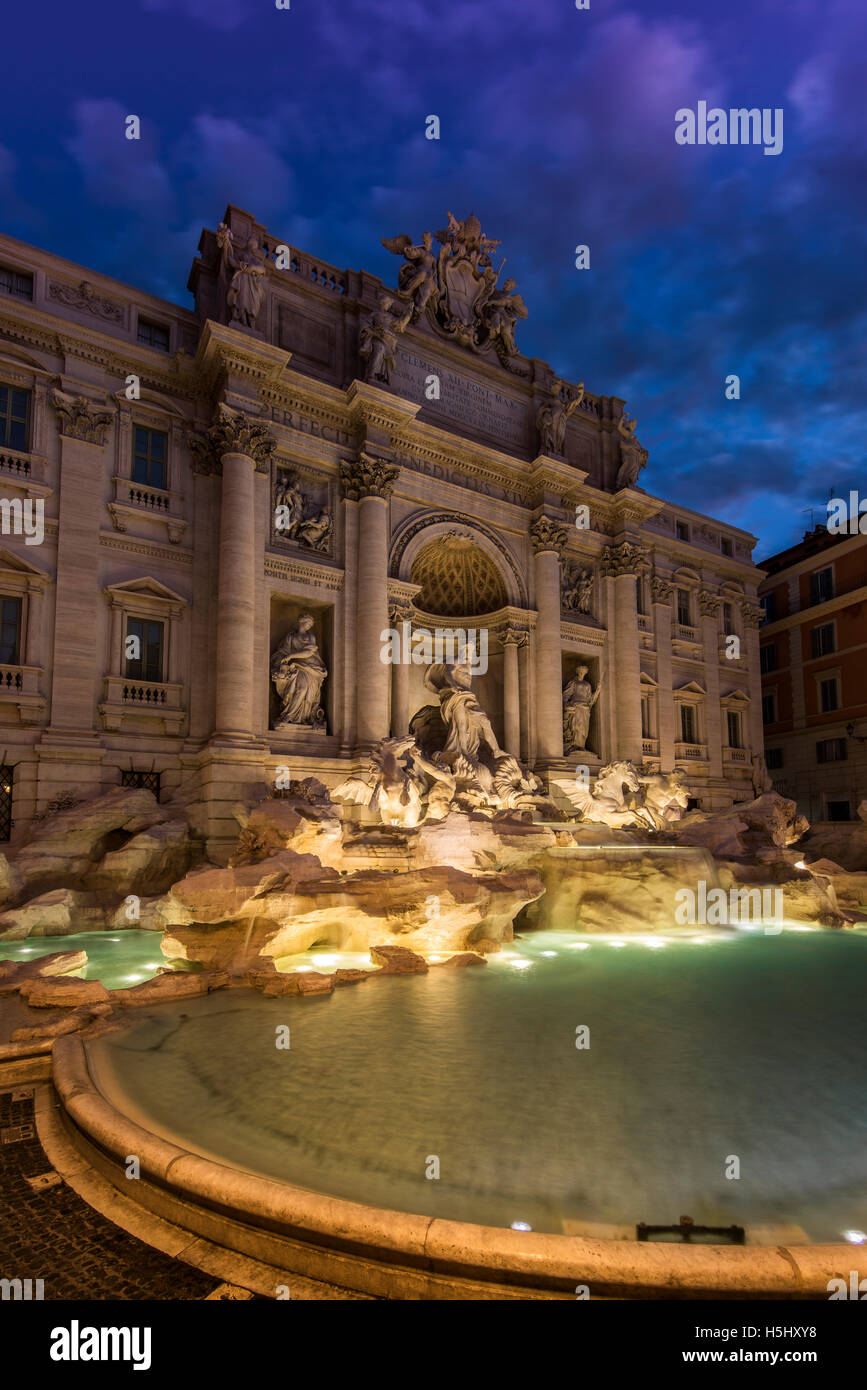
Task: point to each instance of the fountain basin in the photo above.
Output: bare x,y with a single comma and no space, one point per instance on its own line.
481,1071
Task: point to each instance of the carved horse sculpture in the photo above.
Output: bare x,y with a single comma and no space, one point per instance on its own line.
607,803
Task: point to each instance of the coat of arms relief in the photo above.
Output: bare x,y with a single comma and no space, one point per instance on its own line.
456,287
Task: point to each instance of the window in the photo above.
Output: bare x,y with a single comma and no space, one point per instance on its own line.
684,608
149,457
768,658
768,602
153,335
682,531
822,640
6,822
839,810
769,709
773,759
645,717
725,545
640,597
734,723
10,631
728,617
149,780
16,282
829,694
822,585
14,418
831,750
688,724
146,662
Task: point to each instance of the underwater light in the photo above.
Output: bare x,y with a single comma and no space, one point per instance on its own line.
521,1226
521,964
133,977
579,945
323,960
855,1237
800,864
548,953
299,969
618,945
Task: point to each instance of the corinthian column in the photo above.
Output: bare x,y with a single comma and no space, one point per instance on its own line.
549,540
753,619
709,606
511,639
238,447
400,613
662,593
369,481
619,565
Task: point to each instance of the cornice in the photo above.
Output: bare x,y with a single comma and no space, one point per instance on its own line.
176,553
303,571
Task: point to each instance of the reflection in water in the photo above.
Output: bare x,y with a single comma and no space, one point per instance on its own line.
751,1047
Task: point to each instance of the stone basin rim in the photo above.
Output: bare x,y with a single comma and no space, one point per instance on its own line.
393,1243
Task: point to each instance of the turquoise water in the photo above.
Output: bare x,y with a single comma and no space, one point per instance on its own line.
119,959
702,1050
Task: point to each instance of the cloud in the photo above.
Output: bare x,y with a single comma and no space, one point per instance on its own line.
219,14
119,172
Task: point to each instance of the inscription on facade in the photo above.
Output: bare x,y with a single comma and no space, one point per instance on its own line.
462,399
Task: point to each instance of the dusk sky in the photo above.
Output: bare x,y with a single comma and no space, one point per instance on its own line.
557,128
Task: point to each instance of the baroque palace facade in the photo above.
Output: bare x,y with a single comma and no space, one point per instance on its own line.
303,461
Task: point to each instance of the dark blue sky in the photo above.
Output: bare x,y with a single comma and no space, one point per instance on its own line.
557,129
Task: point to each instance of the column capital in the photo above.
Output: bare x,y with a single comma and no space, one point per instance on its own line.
512,636
80,418
546,534
754,614
661,590
622,559
367,476
709,604
400,610
231,432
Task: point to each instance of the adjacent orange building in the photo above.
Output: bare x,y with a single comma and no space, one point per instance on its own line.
813,649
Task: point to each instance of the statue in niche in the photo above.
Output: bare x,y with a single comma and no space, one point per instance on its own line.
469,728
377,338
247,288
313,531
552,417
298,673
577,590
418,280
633,455
579,697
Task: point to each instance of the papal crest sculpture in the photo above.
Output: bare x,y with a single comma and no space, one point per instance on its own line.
457,287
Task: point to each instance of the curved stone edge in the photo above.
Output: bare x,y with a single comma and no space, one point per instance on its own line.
462,1252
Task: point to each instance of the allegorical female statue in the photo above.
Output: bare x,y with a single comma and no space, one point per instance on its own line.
247,288
298,672
579,697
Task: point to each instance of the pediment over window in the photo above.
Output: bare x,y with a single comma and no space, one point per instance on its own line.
691,688
22,569
144,588
736,699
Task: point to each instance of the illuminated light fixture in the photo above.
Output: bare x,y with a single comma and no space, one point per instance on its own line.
855,1237
579,945
133,977
435,959
549,953
654,945
617,945
300,969
521,964
521,1226
800,864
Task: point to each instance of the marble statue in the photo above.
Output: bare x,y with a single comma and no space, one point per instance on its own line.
402,785
609,802
633,455
377,338
576,589
579,697
313,531
298,673
417,280
247,288
664,799
469,728
457,289
552,417
500,310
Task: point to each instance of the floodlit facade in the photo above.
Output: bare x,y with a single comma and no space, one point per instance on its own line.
181,486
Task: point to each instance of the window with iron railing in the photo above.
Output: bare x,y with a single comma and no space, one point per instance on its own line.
14,418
